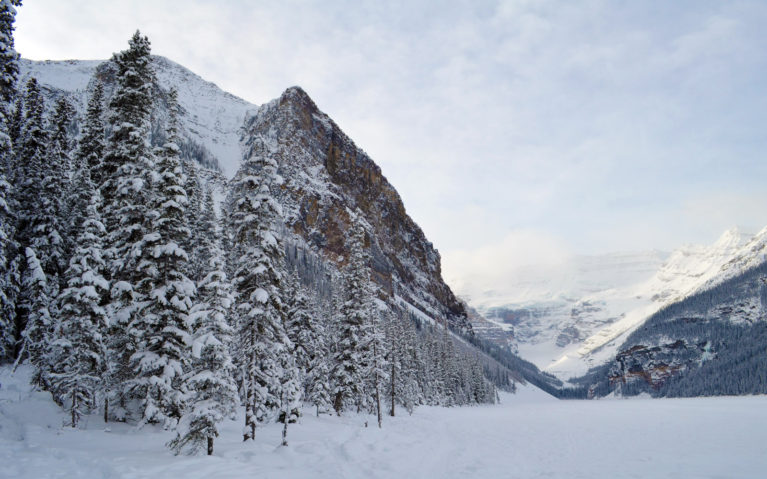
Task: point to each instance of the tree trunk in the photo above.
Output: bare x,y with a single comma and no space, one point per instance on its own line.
393,395
74,408
106,410
378,402
378,386
250,402
210,445
285,431
338,404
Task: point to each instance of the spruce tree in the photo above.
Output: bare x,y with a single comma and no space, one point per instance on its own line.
300,326
78,355
53,216
125,189
7,249
9,67
212,391
8,282
376,371
160,329
30,162
200,220
317,383
353,355
38,332
92,140
257,257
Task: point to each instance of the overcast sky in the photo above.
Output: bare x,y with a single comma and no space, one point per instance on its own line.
516,132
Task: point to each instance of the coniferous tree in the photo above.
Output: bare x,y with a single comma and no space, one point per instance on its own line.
213,393
54,191
289,388
37,335
125,189
9,67
395,346
301,328
8,246
200,220
160,330
318,390
30,159
78,355
376,373
257,257
92,140
352,354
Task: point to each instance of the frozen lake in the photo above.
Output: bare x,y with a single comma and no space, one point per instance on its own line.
529,435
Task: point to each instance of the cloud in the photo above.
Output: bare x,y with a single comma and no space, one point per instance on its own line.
597,125
520,266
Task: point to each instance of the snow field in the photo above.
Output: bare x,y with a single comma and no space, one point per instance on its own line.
529,435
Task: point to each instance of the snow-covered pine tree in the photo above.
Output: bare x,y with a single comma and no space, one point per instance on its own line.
394,357
78,355
289,388
352,355
33,288
376,370
7,249
300,327
210,383
16,123
200,220
257,260
317,382
92,140
160,328
54,190
9,67
412,373
30,157
8,283
37,335
125,191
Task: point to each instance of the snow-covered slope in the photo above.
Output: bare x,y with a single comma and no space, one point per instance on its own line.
210,116
608,296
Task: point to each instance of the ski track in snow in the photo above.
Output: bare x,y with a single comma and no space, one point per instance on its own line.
529,435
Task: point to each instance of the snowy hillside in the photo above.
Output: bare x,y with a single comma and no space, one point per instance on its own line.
210,116
528,435
606,297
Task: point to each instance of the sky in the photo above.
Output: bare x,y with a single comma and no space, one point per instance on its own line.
517,132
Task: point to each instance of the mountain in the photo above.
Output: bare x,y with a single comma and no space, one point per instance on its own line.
606,297
327,178
211,118
710,343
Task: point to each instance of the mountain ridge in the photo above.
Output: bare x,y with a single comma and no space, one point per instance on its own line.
328,177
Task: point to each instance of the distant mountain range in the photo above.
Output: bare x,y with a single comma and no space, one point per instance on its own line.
605,298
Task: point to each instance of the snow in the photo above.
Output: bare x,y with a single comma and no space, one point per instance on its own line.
529,435
210,116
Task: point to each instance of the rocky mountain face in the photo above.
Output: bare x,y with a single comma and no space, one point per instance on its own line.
710,343
326,177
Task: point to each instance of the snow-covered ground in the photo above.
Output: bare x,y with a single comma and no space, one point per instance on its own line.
529,435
